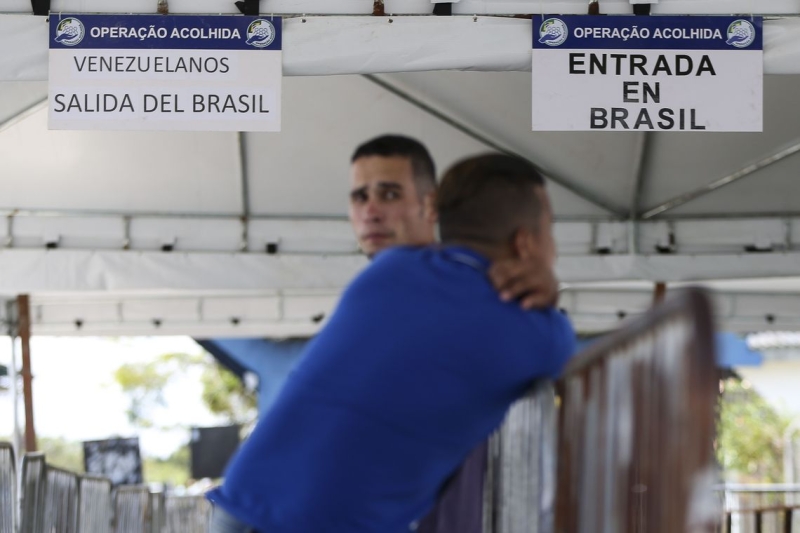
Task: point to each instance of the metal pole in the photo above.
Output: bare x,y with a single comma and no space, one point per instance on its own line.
24,331
245,191
15,393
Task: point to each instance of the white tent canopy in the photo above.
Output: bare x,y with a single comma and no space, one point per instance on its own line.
143,233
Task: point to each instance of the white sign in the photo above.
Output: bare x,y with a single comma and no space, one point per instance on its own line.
155,72
647,74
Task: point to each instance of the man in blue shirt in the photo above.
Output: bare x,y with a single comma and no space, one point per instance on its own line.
392,203
417,365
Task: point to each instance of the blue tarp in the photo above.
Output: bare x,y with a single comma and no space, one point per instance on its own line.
272,361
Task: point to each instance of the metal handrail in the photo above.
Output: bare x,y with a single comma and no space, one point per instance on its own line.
637,425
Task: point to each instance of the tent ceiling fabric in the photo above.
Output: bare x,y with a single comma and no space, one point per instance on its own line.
112,201
303,170
118,171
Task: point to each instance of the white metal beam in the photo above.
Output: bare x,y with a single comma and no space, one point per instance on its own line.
68,270
198,233
780,155
248,314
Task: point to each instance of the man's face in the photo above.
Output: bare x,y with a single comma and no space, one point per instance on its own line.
385,208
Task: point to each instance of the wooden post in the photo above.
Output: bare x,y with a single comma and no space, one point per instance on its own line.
24,332
659,292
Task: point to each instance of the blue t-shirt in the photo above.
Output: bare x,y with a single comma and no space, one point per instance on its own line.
417,365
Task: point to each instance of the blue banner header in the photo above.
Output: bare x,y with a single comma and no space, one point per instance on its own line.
647,33
166,32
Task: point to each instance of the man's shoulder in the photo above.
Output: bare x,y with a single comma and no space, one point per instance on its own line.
400,254
398,261
395,269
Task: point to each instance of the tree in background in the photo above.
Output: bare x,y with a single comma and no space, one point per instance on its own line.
750,435
223,394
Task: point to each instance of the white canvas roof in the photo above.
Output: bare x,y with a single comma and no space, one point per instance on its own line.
87,215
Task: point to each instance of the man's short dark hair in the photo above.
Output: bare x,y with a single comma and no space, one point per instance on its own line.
486,198
400,146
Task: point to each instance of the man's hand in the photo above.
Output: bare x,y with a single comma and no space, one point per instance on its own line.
528,277
525,279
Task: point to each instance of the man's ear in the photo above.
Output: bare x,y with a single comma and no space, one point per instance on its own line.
429,207
523,243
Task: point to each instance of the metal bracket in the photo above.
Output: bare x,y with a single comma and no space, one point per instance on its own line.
41,7
443,9
249,7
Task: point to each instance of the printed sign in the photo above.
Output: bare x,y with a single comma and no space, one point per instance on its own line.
117,459
626,73
157,72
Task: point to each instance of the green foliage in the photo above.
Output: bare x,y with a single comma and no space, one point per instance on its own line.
62,453
750,435
173,470
223,393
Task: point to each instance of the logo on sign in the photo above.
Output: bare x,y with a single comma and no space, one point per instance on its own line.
741,34
553,32
260,33
70,31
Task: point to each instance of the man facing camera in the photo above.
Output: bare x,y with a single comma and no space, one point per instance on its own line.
417,366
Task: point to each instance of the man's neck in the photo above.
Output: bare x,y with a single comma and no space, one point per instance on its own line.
489,251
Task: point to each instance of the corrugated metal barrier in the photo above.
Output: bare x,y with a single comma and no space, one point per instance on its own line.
187,514
33,485
8,489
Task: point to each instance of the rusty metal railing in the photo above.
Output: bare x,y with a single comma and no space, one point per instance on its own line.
778,519
637,426
760,508
8,488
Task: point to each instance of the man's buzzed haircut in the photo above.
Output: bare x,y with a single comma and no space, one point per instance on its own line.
485,199
400,146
